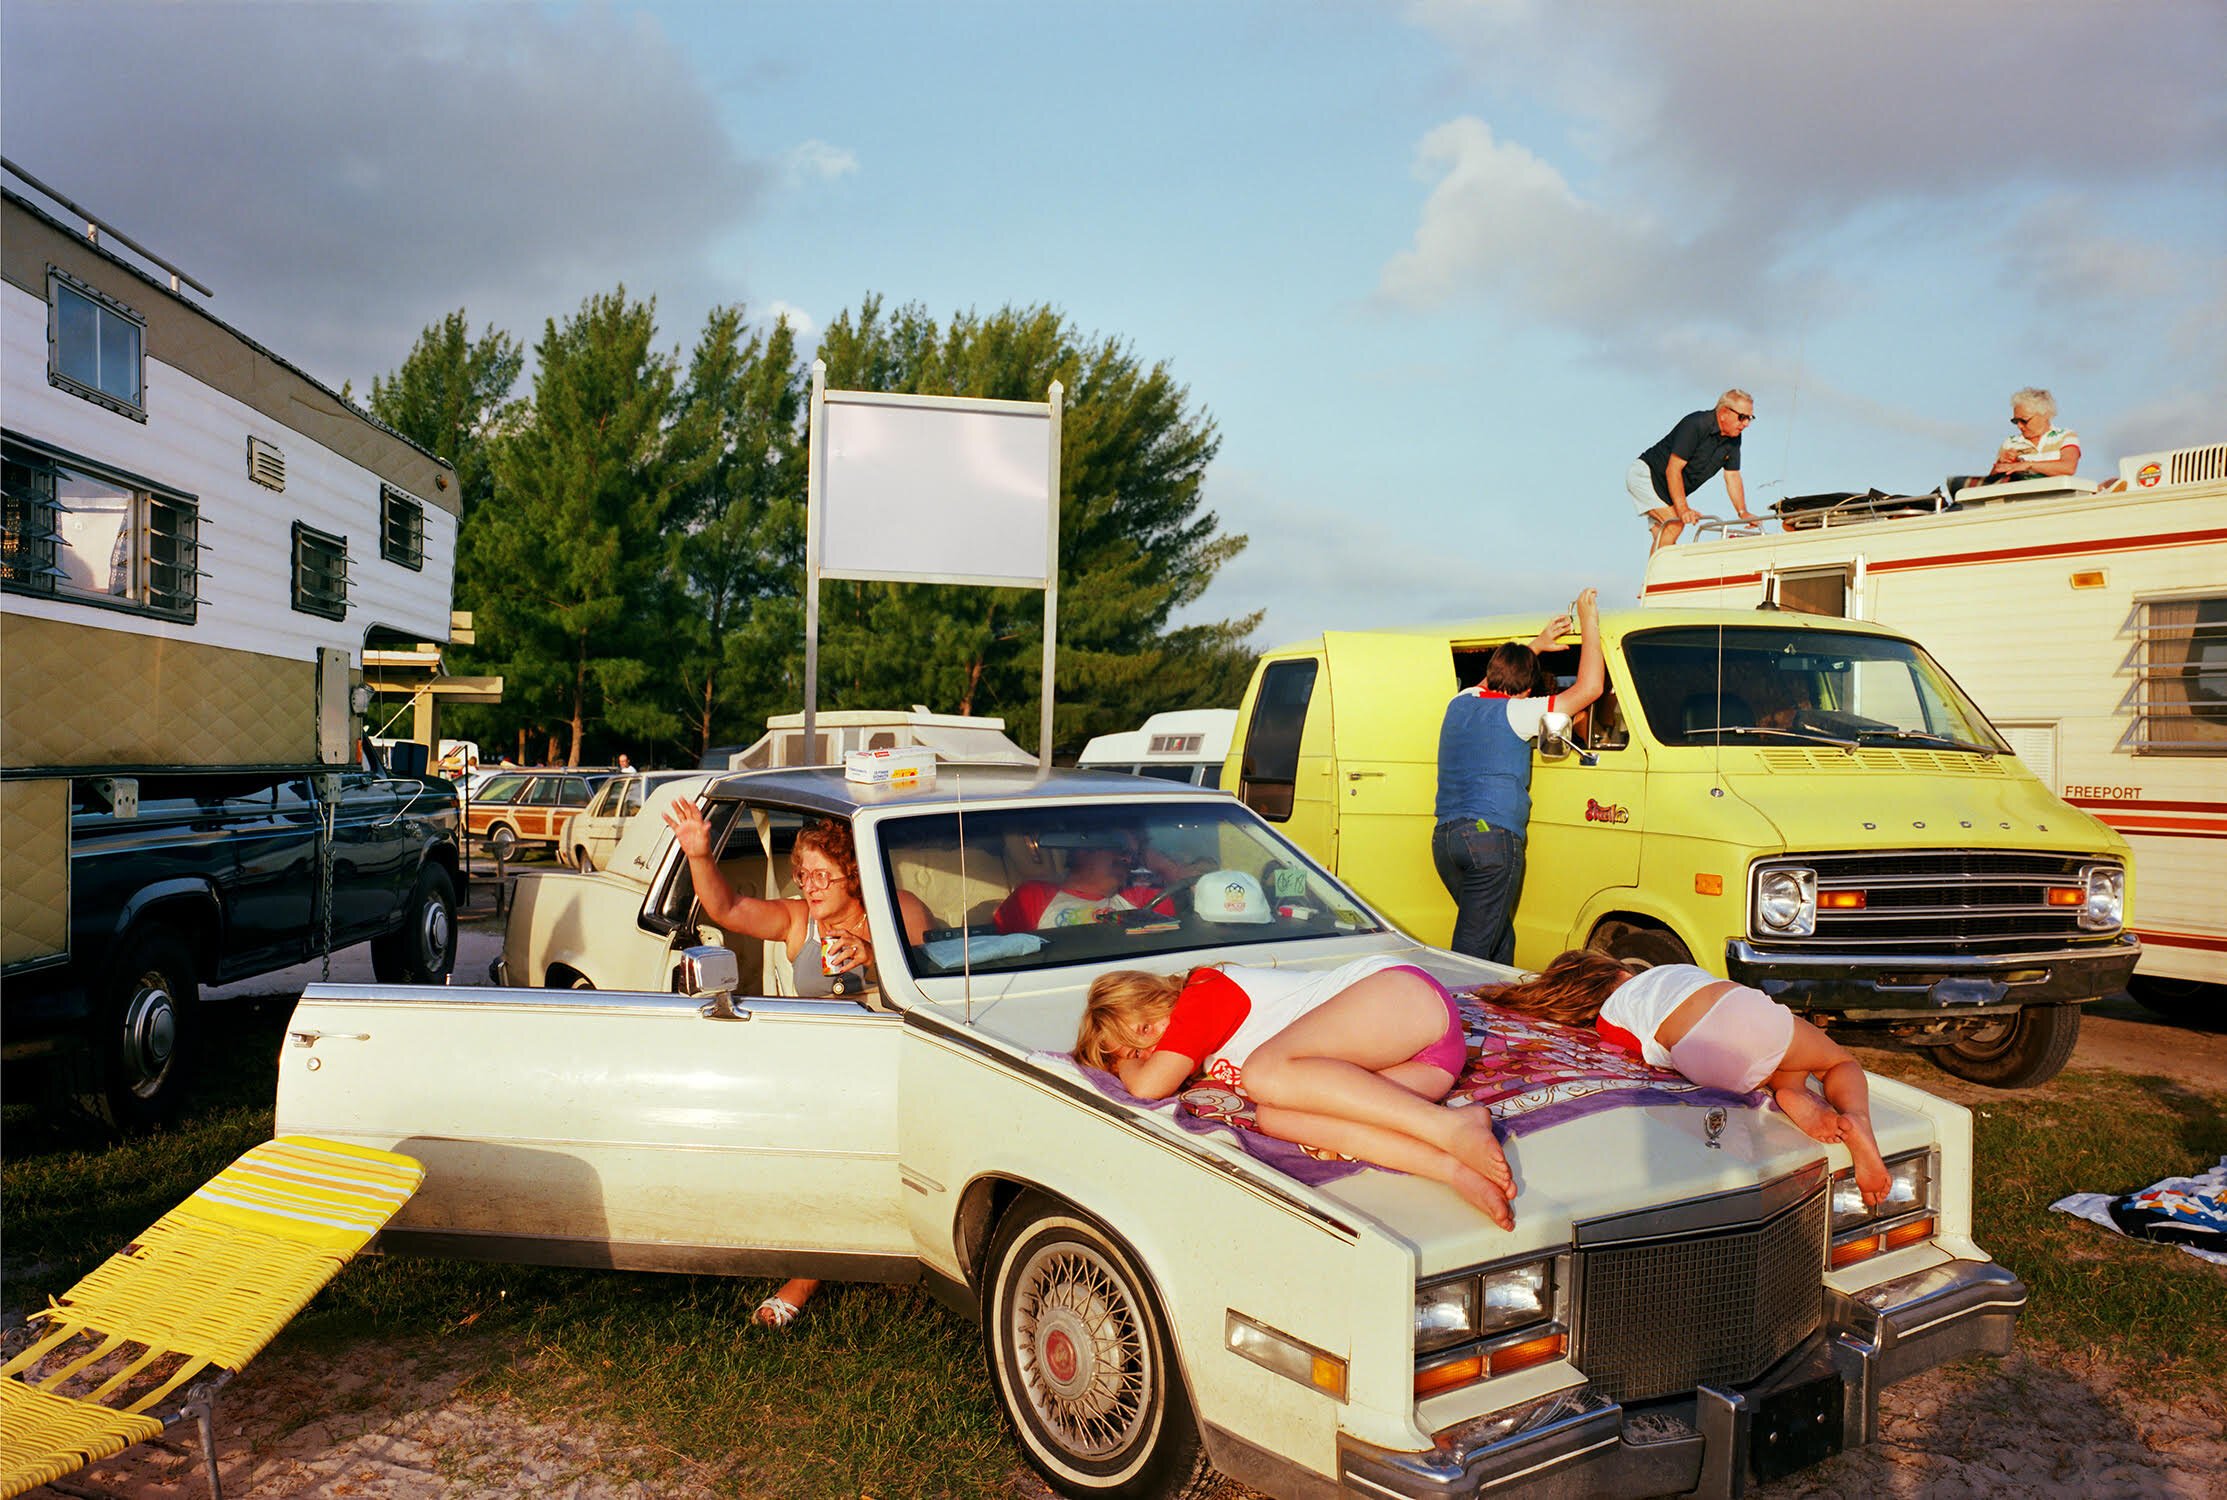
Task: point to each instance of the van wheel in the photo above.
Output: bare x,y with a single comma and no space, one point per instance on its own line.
2185,1002
2014,1052
147,1037
423,949
1651,944
1082,1362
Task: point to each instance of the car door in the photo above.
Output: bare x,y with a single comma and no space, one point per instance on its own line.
618,1129
1588,816
618,802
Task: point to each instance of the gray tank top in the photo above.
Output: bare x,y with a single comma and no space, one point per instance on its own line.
811,982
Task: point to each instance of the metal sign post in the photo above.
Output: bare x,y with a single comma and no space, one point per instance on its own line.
931,489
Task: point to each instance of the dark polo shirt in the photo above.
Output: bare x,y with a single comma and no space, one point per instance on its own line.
1705,450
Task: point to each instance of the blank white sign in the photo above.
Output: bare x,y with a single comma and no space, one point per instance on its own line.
935,489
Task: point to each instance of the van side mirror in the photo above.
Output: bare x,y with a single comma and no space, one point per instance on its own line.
1554,735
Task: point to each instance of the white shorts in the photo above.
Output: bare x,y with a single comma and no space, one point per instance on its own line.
1640,480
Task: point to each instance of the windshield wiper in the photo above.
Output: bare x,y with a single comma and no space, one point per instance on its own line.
1811,735
1948,740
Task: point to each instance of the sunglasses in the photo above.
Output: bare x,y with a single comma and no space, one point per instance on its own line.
1745,416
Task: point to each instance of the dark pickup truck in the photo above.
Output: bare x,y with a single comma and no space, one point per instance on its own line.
206,877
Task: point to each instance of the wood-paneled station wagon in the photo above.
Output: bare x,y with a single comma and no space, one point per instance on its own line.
1692,1292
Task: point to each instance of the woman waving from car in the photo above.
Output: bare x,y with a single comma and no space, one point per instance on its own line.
824,932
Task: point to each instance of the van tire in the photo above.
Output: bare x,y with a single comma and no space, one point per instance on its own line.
2018,1052
1651,944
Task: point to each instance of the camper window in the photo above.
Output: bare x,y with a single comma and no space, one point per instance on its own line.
2181,707
401,528
320,573
74,532
95,346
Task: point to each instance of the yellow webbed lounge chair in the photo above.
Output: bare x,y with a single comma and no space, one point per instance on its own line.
189,1303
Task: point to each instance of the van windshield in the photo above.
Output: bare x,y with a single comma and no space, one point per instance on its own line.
1040,887
1702,685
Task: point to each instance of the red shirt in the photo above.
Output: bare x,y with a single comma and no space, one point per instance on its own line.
1023,911
1207,1014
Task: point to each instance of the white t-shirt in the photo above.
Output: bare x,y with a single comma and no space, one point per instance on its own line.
1640,1005
2049,446
1280,997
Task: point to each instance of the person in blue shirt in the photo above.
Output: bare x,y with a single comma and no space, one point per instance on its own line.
1484,779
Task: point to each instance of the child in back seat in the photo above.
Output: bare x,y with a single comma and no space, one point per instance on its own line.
1719,1034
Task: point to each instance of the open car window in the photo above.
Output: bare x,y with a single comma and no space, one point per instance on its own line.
1042,887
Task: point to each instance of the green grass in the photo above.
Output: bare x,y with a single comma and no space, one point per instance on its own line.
880,1391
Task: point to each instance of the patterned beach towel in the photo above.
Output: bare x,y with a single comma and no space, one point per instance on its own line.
2190,1212
1527,1073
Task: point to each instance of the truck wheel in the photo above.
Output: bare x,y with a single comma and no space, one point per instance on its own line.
2015,1052
2185,1002
423,949
505,839
1082,1361
147,1021
1650,943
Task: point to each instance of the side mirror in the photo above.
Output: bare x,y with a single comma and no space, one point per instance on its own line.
1554,735
710,973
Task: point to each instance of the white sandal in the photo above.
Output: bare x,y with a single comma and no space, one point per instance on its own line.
775,1312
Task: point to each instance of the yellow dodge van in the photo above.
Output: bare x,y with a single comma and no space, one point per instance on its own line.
1805,804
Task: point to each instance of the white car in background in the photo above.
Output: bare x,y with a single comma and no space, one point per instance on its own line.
1690,1294
586,840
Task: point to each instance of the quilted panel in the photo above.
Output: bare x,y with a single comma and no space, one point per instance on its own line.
76,695
34,869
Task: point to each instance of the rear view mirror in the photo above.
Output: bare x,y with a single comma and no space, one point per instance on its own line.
1554,734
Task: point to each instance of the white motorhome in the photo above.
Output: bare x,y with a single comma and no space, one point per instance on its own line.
200,542
1188,744
975,739
2089,622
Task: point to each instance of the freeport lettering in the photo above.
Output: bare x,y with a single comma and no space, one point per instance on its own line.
2106,793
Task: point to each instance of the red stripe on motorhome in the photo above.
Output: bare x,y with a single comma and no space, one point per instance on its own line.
2144,804
1966,559
2183,940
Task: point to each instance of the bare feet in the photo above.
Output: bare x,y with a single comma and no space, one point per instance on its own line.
1812,1115
1483,1195
1478,1149
1871,1172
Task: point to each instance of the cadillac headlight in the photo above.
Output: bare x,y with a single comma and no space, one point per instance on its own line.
1786,902
1483,1305
1517,1297
2105,908
1905,1216
1445,1314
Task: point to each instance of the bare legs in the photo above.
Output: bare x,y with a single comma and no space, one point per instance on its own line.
1667,526
1343,1078
1843,1115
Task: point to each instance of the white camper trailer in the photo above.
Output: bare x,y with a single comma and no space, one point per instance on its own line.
970,739
1187,745
2090,623
200,543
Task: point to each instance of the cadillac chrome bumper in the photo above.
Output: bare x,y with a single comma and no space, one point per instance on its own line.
1819,1400
1926,986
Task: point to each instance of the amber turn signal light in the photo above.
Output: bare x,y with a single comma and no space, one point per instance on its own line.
1840,900
1910,1233
1708,885
2067,895
1523,1356
1446,1376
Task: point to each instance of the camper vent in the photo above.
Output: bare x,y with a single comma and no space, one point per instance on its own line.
1174,744
265,464
2197,465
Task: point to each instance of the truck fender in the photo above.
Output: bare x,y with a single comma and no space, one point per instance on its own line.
1633,905
183,897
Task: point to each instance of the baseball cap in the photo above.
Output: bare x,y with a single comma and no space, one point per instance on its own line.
1230,896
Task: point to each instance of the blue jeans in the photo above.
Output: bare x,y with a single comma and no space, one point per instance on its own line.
1483,871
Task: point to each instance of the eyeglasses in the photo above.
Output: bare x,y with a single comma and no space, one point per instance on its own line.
1745,416
814,880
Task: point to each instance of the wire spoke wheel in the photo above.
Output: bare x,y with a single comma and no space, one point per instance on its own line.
1082,1360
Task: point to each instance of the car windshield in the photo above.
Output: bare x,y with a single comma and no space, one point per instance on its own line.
1704,685
1042,887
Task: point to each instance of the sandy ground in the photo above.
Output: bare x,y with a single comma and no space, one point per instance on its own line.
407,1425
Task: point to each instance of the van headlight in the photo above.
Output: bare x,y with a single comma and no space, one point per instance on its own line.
2105,908
1786,902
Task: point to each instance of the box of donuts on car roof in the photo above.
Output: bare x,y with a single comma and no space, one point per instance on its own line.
911,767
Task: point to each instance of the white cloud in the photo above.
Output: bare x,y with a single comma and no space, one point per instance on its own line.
801,323
819,162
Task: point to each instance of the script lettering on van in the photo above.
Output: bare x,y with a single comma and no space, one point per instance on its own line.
2104,793
1611,812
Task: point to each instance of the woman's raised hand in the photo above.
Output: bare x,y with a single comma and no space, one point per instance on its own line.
690,831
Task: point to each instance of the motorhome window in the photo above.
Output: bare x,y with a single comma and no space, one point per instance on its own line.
1769,686
2181,701
1211,776
1027,888
96,346
76,532
320,573
1820,593
1167,773
1270,769
401,528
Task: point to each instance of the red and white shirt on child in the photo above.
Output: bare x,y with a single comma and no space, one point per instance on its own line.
1224,1014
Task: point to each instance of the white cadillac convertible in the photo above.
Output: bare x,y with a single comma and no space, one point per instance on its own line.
1693,1293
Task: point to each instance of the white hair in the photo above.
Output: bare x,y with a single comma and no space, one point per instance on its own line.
1735,394
2037,401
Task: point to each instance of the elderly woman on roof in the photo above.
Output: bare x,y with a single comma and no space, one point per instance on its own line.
2038,446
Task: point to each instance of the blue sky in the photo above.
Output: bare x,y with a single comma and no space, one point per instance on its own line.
1437,270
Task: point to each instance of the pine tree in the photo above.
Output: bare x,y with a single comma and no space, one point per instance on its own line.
450,396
